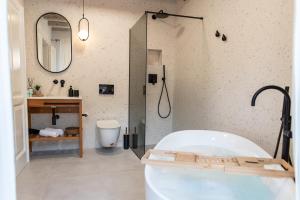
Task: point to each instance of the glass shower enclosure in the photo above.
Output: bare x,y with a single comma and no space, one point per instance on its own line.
166,55
137,85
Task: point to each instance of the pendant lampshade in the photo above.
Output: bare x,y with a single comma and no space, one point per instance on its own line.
83,26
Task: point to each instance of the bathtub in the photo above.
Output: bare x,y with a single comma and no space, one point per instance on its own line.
165,183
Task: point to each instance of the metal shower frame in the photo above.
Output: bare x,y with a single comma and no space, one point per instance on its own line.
174,15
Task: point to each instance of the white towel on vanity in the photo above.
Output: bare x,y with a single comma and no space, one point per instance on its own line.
51,132
60,132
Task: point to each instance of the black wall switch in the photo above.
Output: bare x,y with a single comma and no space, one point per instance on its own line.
152,78
106,89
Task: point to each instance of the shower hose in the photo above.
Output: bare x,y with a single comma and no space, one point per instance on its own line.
164,86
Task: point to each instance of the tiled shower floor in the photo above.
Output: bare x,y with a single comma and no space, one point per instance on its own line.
100,175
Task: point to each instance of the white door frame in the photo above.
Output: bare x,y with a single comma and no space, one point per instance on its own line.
18,80
296,97
7,153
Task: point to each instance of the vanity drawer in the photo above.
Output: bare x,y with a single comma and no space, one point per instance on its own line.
35,103
60,105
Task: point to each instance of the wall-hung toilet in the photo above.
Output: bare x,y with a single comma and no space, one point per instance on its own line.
109,132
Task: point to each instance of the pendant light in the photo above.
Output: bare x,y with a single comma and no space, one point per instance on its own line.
83,26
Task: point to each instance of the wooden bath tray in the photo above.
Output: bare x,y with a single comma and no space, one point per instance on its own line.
241,165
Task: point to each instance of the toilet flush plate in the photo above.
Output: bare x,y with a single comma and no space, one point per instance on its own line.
106,89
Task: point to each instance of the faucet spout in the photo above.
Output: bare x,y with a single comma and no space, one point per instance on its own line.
274,87
54,116
286,117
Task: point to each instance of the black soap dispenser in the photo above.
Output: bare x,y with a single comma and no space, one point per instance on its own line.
71,93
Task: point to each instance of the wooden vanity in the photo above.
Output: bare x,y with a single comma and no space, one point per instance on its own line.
39,105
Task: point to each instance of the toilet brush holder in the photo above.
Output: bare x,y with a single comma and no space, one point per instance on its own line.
126,141
134,141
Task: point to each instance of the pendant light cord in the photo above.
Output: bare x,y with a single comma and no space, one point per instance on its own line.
83,8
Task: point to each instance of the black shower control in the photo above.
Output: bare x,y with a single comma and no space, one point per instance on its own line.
55,81
152,78
106,89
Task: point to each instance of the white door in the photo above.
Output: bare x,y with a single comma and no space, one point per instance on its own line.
18,78
7,161
296,98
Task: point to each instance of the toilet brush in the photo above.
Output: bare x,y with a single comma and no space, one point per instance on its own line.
135,139
126,139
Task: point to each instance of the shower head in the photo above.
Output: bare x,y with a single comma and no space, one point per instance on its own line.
161,15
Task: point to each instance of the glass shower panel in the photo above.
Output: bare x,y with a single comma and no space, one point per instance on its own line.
137,85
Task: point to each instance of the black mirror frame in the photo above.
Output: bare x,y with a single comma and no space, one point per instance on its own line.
36,35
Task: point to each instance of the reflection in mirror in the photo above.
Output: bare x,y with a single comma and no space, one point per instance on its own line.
54,42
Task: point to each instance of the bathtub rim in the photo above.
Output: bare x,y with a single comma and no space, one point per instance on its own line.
148,182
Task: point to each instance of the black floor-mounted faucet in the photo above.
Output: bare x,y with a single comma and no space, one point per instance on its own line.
286,118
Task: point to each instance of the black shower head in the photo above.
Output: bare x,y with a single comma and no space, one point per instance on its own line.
161,15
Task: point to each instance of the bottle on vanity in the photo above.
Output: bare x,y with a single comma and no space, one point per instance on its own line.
71,92
30,87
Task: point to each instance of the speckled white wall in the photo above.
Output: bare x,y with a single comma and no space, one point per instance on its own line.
215,80
103,58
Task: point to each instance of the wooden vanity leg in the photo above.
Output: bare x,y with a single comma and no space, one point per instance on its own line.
80,131
80,144
30,147
29,126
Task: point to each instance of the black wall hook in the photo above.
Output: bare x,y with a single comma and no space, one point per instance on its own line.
217,34
224,38
62,83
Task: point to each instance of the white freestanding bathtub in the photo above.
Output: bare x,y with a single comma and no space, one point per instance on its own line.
163,183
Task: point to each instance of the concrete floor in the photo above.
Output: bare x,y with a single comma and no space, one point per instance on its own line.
100,175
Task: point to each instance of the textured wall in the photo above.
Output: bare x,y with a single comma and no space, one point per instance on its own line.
103,58
214,80
222,77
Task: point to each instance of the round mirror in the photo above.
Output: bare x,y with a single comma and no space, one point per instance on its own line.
54,42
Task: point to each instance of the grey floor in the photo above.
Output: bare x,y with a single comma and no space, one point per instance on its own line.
100,174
